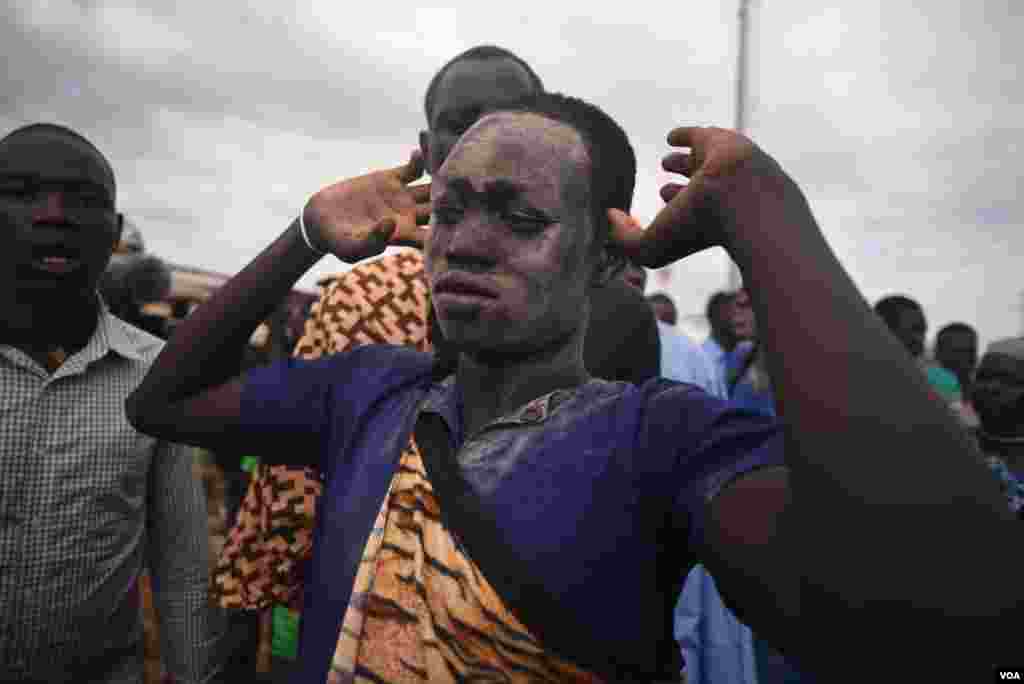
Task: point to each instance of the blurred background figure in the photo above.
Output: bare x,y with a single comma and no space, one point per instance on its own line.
747,378
722,339
906,321
681,359
998,398
664,308
956,348
131,281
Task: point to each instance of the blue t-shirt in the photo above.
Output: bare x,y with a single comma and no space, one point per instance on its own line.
601,489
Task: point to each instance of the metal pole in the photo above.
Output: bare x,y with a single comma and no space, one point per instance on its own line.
741,67
735,278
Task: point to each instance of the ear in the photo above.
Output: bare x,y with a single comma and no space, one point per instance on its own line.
117,233
609,265
425,148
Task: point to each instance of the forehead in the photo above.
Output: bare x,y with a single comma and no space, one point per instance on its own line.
959,339
480,83
543,156
54,157
911,316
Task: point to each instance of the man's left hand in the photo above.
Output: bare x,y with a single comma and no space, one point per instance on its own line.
730,180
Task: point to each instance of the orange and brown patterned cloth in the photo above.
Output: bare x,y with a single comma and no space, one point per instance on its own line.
384,301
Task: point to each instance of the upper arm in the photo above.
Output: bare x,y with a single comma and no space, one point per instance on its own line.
743,550
278,412
210,419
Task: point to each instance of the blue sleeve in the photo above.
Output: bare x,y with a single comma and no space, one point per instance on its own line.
300,407
711,442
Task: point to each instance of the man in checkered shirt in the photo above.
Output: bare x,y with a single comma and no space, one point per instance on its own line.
86,502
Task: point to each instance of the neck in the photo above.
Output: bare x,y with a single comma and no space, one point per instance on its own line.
492,388
67,324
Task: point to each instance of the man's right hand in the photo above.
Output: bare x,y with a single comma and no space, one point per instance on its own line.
359,217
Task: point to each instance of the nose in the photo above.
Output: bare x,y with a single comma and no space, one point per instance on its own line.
49,208
471,247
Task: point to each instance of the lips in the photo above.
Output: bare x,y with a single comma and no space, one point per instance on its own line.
458,284
55,260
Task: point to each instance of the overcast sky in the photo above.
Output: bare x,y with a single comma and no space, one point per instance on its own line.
902,121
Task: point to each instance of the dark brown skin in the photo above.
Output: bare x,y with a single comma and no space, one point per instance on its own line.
846,516
851,515
467,87
56,197
508,217
193,391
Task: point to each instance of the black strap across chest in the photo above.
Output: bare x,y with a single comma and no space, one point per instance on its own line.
513,577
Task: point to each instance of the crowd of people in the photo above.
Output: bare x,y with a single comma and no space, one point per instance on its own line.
487,455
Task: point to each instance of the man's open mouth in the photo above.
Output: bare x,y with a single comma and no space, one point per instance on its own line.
56,261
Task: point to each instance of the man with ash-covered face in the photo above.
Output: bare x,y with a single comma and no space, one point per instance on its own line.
522,518
622,343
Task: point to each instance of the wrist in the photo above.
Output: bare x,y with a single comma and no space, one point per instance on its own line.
765,213
307,234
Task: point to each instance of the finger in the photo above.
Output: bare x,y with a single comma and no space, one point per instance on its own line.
687,136
678,162
412,169
676,232
670,190
420,193
628,235
673,234
411,236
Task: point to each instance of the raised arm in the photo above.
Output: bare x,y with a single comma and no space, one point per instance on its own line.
193,392
885,510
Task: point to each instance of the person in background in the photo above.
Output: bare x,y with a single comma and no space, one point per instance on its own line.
956,348
664,308
748,383
87,501
998,397
906,321
682,359
129,283
721,339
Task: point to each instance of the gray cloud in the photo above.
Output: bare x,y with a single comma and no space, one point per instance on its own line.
902,121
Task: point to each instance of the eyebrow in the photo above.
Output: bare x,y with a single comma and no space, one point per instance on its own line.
498,190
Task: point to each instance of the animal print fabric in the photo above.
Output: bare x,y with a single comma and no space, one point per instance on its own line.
421,610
